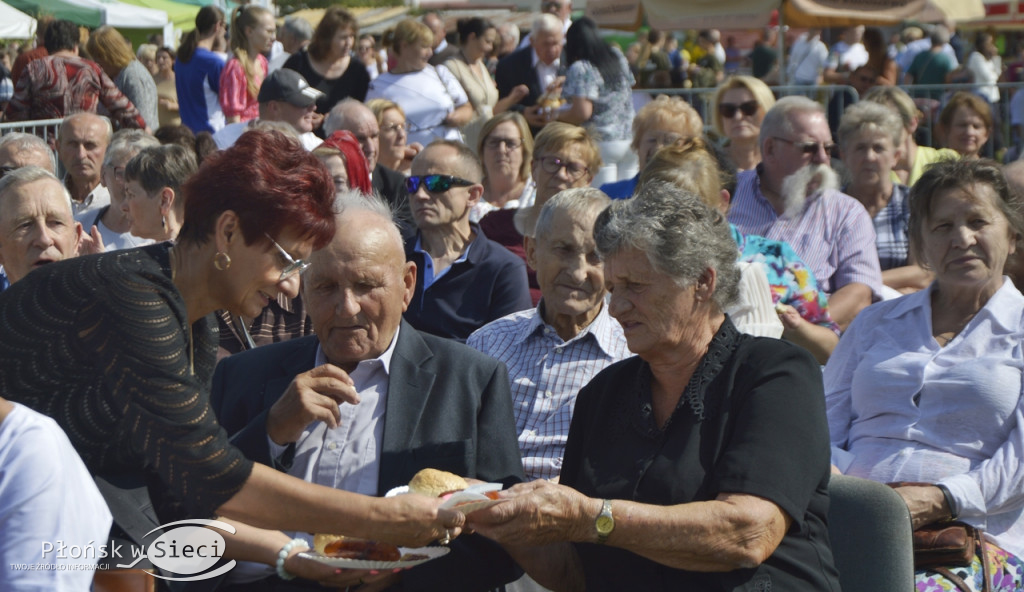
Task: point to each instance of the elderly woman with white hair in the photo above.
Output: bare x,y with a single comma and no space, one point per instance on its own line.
869,138
705,438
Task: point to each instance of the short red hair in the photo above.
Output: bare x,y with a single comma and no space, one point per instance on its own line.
270,181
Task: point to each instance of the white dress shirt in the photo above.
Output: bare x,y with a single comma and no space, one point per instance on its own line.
909,410
546,73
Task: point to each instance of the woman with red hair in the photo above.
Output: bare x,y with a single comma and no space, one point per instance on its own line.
345,161
119,349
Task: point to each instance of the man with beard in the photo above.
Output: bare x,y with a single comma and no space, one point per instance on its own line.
791,196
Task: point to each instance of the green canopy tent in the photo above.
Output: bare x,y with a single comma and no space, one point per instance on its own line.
94,13
182,15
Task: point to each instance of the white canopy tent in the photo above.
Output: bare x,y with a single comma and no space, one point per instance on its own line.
15,24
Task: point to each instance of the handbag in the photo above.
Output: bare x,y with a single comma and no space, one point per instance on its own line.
942,545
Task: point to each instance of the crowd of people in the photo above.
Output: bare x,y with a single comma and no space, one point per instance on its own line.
285,270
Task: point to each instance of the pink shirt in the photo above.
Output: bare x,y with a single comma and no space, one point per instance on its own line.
234,95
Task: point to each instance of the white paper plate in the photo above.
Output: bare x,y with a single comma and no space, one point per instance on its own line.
428,553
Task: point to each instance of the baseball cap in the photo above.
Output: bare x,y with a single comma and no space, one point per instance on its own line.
288,85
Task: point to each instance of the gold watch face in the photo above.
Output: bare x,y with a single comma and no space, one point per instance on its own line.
604,525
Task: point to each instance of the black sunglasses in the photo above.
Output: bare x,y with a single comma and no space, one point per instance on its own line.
435,183
808,147
728,110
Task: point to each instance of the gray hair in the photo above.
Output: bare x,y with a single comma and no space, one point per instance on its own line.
680,235
338,114
154,168
778,122
509,31
579,203
939,36
104,118
22,142
30,174
127,143
298,27
546,23
353,200
867,115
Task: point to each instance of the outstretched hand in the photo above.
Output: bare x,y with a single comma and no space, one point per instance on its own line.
538,513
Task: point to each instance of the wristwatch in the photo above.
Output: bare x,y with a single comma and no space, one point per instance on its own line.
604,524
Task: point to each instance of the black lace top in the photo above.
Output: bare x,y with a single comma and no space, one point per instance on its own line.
100,344
750,421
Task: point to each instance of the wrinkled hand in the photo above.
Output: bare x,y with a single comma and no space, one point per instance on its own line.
789,316
413,520
318,120
926,504
91,243
535,117
539,513
412,150
312,396
519,92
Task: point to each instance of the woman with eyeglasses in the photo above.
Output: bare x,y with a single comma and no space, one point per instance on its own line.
564,156
119,349
506,149
739,107
394,152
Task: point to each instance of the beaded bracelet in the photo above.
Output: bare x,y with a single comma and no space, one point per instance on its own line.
283,554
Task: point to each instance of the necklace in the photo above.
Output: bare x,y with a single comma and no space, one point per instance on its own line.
173,252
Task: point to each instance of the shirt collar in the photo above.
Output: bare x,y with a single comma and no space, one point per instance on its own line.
536,60
601,328
1004,307
384,358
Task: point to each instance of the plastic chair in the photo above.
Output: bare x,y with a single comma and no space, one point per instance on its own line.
869,525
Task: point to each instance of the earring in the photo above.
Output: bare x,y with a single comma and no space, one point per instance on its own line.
221,261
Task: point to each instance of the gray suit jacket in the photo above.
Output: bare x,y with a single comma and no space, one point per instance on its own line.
448,407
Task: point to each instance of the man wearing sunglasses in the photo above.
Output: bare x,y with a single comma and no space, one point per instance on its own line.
465,280
791,196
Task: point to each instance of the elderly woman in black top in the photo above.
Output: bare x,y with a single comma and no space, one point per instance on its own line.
700,464
119,349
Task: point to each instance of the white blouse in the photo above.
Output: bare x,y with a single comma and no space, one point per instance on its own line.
909,410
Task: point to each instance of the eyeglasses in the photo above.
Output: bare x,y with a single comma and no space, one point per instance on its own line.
810,148
508,143
728,110
394,127
553,164
291,266
435,183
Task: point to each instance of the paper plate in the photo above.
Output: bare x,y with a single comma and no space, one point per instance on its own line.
472,499
424,554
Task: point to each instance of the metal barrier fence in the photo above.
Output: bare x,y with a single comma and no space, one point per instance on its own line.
44,128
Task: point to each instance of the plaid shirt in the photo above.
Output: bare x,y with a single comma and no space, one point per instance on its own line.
892,229
546,374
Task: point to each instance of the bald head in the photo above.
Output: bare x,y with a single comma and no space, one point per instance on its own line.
353,116
358,286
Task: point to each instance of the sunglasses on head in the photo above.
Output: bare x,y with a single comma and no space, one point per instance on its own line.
728,110
435,183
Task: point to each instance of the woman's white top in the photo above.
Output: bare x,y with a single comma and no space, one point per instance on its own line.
986,74
427,97
909,410
52,516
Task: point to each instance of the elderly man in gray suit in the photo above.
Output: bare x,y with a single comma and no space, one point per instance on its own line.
369,401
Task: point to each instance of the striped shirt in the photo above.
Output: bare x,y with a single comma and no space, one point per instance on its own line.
546,373
833,235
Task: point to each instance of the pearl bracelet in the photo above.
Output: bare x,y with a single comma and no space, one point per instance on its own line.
283,554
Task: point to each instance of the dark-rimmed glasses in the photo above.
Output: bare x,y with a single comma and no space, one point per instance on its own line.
435,183
810,148
292,266
510,144
553,164
748,108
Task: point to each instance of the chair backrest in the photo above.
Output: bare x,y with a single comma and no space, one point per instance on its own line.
869,525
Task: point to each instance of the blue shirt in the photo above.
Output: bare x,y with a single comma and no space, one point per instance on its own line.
198,82
623,189
488,285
